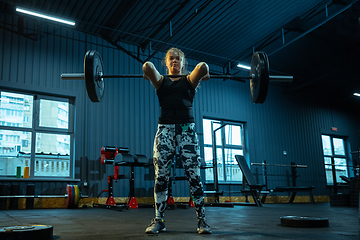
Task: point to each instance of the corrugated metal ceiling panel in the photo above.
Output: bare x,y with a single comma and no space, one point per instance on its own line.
215,31
224,29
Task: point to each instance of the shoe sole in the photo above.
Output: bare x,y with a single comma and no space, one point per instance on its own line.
204,232
161,230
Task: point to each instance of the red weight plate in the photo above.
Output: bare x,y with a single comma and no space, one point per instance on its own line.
69,198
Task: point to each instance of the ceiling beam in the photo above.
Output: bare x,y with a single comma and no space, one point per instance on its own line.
196,13
115,44
163,25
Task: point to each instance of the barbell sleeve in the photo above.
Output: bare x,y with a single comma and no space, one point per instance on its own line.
72,76
273,78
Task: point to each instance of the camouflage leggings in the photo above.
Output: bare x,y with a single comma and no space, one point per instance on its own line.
166,139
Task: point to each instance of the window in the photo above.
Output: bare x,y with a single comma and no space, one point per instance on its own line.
52,113
229,142
335,159
36,132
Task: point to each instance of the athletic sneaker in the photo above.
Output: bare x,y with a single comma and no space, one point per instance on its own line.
203,227
156,226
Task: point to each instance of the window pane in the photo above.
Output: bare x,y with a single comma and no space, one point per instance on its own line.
208,156
326,145
329,177
230,155
13,145
339,146
340,161
209,174
52,155
327,160
54,114
16,110
341,171
233,135
48,143
328,167
207,131
233,172
220,165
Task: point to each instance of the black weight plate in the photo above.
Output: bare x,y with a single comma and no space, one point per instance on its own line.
259,74
73,196
304,222
93,68
28,232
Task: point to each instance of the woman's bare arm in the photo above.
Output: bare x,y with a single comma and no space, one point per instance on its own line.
200,72
152,74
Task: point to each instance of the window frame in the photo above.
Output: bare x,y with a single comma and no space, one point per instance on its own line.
36,128
334,156
224,146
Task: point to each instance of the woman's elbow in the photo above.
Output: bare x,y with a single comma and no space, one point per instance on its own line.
148,66
203,67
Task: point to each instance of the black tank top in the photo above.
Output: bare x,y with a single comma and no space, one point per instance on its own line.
176,99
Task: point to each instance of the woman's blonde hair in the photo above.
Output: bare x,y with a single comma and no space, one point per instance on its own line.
183,71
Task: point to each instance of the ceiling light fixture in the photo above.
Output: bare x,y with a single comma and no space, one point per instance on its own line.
243,66
45,16
357,94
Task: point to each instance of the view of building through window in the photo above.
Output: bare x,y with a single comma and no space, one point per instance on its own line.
23,131
229,142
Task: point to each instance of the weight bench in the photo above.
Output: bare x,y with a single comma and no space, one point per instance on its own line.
254,189
294,189
121,157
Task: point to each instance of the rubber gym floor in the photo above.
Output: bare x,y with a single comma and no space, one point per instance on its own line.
240,222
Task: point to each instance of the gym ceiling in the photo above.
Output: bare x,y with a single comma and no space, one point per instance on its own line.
316,41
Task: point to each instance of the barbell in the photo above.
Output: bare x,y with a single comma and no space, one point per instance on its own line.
72,196
94,76
279,165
